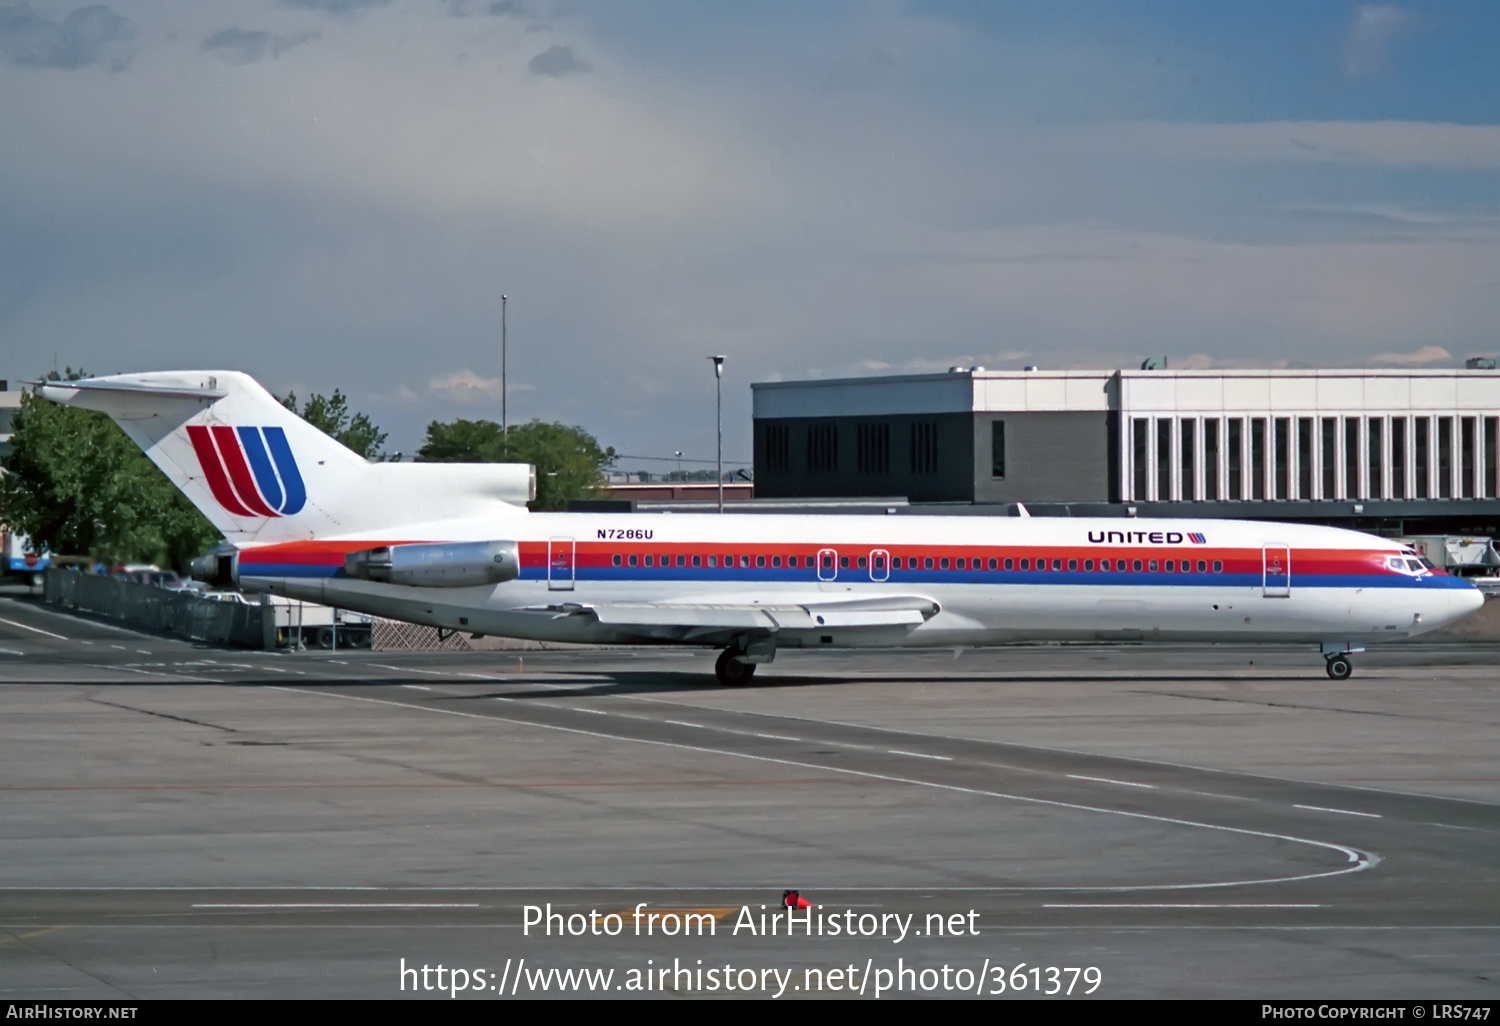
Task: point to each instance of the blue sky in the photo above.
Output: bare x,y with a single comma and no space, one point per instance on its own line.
334,193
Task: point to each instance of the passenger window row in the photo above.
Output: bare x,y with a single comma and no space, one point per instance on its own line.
1041,563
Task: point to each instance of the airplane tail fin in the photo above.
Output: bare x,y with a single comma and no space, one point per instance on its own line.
262,474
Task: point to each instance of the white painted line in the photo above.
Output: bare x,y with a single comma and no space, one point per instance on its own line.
596,712
920,755
1107,780
685,723
1359,861
1174,905
11,651
120,647
416,687
1341,812
343,904
143,651
778,737
38,630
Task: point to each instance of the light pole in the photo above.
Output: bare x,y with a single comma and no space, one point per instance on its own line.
719,408
504,413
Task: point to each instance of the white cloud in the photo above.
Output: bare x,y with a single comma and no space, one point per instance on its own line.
1416,358
464,386
1375,28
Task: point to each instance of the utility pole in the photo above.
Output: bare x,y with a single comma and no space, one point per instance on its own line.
719,408
504,391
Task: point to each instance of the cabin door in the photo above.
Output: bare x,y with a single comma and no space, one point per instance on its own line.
1276,571
560,553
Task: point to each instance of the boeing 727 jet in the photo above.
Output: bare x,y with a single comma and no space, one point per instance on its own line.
454,546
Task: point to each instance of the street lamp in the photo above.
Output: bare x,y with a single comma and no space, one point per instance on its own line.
504,413
719,407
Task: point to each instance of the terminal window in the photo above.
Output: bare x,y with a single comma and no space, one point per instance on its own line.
1210,474
1330,441
1398,457
1236,458
1445,457
924,448
1420,439
873,448
822,448
1376,462
1258,458
1351,457
778,447
1491,456
1164,460
1281,432
1140,428
997,449
1466,457
1186,460
1304,458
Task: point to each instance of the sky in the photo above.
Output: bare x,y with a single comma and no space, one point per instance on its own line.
336,194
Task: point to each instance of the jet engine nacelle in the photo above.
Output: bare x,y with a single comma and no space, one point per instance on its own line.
437,564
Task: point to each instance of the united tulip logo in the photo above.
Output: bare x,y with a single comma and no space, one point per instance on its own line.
250,470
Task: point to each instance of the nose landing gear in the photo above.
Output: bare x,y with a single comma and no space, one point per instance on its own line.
1339,667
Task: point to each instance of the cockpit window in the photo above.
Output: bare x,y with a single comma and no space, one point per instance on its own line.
1414,565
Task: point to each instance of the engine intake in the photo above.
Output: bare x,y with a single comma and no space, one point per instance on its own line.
437,564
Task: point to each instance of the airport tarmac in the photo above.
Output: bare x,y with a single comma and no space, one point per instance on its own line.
181,821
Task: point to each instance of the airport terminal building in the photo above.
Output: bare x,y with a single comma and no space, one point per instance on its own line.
1390,450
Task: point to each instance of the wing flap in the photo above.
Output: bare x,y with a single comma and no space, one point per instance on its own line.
885,611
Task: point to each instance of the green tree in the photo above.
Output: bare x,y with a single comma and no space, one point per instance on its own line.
76,484
330,415
569,461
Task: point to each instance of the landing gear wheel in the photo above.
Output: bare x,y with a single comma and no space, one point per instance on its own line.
1339,667
732,671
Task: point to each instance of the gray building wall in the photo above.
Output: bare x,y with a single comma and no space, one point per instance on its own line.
1049,457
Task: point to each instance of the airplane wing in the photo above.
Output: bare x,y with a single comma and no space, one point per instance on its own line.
691,621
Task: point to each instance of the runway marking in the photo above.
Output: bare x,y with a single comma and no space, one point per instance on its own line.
1108,780
1359,860
778,737
416,687
1057,750
1341,812
341,904
920,755
596,712
11,651
685,723
13,938
38,630
1160,904
149,673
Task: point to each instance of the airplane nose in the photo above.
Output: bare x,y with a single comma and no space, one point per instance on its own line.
1463,601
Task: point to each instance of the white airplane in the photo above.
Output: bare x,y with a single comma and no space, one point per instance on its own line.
453,546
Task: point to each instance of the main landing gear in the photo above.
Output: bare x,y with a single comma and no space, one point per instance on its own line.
1339,667
732,670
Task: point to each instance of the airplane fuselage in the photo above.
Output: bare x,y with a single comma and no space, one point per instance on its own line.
990,581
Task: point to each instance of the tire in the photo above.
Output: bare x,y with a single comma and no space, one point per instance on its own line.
731,671
1339,667
325,637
